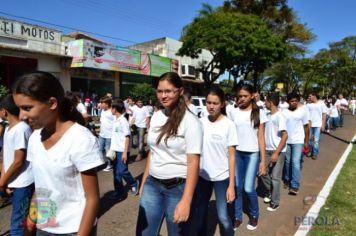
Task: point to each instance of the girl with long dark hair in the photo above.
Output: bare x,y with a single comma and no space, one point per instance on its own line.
64,156
171,173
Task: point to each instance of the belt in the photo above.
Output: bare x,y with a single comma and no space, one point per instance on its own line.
169,183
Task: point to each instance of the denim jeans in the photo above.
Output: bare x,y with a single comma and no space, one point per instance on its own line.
333,122
247,164
314,141
205,190
21,201
104,145
158,202
292,165
141,140
272,179
341,119
120,172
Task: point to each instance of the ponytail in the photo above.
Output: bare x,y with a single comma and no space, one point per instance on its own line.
67,110
255,114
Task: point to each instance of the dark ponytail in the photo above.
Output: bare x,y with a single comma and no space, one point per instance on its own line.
170,128
255,112
41,86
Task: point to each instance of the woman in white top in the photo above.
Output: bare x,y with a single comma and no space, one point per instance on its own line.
172,169
64,156
250,156
217,163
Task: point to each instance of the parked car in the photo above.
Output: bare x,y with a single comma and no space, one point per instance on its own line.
199,102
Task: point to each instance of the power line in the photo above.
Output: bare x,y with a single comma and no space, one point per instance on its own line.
68,27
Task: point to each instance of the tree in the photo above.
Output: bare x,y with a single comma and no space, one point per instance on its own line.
144,91
237,42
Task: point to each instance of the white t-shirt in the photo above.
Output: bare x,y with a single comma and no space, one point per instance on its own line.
246,134
229,109
218,136
333,111
283,106
316,111
273,131
16,138
170,161
81,108
193,109
106,122
121,129
140,114
295,124
59,189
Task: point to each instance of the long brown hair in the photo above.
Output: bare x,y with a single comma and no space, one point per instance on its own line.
255,112
170,128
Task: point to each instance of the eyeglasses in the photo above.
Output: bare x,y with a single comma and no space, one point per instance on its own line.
169,92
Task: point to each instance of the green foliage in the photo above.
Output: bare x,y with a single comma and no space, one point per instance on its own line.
3,91
144,91
227,86
236,42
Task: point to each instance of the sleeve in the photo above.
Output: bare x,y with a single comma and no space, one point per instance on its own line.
232,134
324,108
87,155
147,112
125,127
306,116
22,136
282,123
263,117
30,148
193,134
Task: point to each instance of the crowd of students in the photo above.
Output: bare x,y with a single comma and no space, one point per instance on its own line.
51,160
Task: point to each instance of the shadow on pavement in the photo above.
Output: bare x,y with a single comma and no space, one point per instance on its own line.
340,139
7,233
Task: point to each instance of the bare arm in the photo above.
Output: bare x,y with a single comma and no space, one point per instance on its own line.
262,147
182,211
307,133
126,149
323,122
280,147
230,193
91,189
15,167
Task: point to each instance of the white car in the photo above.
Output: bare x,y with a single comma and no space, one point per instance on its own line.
199,103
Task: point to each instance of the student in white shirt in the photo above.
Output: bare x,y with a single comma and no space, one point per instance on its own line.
317,114
172,168
283,105
16,172
333,121
120,143
217,163
141,119
297,118
276,138
249,120
343,107
106,123
64,156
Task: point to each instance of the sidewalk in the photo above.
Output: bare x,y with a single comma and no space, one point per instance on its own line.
119,218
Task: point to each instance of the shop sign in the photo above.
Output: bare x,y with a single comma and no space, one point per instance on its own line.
19,30
159,65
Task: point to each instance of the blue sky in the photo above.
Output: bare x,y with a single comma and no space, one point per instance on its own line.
138,20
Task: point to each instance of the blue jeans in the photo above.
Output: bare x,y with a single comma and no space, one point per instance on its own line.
158,202
104,145
21,201
272,179
333,122
205,190
292,165
247,164
314,141
120,172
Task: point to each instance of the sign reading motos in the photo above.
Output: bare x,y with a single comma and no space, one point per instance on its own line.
15,29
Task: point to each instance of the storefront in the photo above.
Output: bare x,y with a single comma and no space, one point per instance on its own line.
100,68
25,48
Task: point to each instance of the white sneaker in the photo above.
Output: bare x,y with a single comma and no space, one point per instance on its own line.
108,168
267,199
